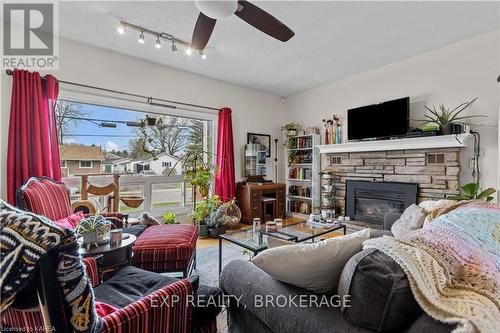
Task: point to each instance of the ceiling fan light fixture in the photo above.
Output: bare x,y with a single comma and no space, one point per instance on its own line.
203,55
217,9
174,47
158,42
188,50
141,37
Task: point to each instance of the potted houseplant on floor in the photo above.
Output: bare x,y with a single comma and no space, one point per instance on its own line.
222,217
472,191
202,214
449,120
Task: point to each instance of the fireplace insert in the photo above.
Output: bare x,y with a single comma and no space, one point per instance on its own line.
370,201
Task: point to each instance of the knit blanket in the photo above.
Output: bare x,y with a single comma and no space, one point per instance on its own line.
24,239
453,265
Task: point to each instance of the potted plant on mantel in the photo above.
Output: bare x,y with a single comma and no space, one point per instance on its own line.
449,121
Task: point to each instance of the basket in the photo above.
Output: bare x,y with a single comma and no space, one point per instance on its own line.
132,201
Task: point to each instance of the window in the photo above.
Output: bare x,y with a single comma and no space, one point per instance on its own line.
104,134
63,164
85,164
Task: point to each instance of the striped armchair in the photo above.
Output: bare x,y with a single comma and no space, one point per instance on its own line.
47,197
149,314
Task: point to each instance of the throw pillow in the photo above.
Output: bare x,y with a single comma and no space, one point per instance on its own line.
411,219
380,294
71,221
315,267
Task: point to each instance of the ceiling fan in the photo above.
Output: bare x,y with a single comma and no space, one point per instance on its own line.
211,11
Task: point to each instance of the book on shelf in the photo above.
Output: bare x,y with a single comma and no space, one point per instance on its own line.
299,207
300,173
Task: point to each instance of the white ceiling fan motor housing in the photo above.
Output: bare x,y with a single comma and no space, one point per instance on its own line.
217,9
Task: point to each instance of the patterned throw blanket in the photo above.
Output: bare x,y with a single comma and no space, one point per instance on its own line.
453,265
24,239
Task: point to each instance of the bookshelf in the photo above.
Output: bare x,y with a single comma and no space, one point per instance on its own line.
302,175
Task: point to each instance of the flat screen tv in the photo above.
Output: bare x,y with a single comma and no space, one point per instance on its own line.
381,121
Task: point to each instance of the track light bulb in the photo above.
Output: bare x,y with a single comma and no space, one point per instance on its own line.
121,29
141,38
158,42
188,50
203,55
174,47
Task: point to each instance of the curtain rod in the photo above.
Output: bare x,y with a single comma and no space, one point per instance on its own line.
150,100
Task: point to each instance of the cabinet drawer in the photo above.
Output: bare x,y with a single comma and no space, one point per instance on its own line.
255,195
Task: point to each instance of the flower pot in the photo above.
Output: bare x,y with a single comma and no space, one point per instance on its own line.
451,129
203,231
89,237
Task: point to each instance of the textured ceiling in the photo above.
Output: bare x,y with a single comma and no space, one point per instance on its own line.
333,40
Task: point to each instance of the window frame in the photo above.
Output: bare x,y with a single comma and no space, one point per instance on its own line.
127,103
85,167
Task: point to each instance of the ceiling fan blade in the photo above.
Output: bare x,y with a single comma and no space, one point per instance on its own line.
263,21
202,31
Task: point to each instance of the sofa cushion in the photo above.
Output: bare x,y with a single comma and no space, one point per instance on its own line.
381,297
315,267
411,219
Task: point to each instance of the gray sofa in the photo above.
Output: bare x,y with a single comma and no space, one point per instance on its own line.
380,296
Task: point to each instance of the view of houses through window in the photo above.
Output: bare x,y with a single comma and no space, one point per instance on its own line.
100,141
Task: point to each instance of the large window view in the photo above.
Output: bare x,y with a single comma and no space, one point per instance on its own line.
145,151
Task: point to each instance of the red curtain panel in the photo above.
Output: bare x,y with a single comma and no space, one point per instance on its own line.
33,149
224,180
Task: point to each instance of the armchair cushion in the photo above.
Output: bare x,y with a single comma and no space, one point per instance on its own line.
71,221
46,197
130,284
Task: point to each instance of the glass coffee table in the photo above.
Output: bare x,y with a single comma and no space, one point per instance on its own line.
296,232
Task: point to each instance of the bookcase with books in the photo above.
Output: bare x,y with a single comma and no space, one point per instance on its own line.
302,175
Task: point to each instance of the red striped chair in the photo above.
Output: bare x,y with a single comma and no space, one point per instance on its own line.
165,310
49,198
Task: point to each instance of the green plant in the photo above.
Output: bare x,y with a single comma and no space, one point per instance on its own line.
91,224
471,191
202,177
290,127
169,218
204,208
444,116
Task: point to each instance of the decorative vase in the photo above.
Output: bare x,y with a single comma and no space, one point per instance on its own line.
332,135
327,136
338,138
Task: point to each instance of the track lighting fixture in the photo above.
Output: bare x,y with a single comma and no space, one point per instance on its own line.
160,37
121,28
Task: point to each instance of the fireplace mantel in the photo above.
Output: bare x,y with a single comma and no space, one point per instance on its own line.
429,142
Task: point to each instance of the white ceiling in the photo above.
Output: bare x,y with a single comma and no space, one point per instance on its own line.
333,40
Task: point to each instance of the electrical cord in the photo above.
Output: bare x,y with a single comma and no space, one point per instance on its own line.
476,174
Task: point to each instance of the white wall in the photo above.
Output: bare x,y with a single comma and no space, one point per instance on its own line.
253,111
450,75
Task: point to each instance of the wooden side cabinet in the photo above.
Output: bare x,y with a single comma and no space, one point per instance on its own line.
249,197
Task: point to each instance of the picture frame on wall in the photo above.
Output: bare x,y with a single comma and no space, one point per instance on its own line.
262,139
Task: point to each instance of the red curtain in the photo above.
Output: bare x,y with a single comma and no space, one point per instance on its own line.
33,147
224,180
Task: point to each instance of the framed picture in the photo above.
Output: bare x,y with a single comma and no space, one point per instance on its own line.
262,139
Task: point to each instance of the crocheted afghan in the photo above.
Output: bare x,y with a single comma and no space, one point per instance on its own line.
24,239
453,265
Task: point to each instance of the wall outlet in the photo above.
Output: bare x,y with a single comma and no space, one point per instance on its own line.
472,163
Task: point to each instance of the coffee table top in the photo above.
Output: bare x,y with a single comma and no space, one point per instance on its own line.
108,247
298,232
